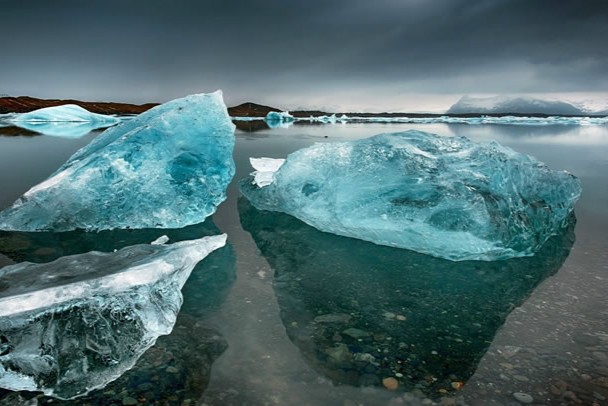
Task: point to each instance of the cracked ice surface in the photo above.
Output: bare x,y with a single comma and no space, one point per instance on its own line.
73,325
166,168
446,197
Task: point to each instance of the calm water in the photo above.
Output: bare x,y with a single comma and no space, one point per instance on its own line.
288,315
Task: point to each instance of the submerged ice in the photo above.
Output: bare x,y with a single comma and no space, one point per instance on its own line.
73,325
446,197
166,168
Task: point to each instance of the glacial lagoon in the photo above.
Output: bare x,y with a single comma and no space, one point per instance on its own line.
288,315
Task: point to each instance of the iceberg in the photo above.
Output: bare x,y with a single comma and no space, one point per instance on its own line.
478,120
275,119
276,116
65,113
166,168
446,197
72,325
69,120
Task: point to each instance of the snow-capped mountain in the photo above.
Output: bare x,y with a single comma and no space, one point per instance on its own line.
515,105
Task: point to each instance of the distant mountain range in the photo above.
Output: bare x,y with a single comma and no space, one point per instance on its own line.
24,104
517,105
467,106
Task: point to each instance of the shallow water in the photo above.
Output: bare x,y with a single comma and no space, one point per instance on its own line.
288,315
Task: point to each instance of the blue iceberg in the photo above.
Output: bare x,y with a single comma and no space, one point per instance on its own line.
166,168
69,120
73,325
278,117
66,113
446,197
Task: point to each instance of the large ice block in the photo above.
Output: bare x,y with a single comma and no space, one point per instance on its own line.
447,197
75,324
166,168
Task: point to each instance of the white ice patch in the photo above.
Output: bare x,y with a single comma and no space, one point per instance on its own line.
163,239
50,182
265,169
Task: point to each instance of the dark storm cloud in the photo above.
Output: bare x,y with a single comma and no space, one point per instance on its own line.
301,51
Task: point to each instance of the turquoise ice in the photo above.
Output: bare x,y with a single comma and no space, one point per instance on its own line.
68,120
166,168
447,197
67,113
278,117
73,325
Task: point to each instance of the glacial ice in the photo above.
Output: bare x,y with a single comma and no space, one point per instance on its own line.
275,119
276,116
265,168
166,168
69,121
64,113
446,197
480,120
73,325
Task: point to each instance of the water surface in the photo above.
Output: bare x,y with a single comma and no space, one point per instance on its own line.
289,315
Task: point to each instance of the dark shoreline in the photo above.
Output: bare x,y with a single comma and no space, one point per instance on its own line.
24,104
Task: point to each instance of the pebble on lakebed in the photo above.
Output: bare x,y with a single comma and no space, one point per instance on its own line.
390,383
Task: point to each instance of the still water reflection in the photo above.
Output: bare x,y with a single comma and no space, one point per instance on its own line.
360,312
276,316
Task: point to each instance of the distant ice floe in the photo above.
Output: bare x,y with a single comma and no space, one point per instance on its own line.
285,119
69,121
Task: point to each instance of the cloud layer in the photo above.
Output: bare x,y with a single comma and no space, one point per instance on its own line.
331,53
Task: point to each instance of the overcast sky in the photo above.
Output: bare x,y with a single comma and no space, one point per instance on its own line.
400,55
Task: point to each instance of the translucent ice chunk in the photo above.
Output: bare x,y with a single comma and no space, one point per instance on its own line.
166,168
265,169
446,197
75,324
276,116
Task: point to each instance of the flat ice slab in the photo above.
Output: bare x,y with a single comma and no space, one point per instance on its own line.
75,324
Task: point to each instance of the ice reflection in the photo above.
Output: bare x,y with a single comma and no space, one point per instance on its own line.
361,313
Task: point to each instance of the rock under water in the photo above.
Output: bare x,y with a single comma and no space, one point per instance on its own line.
444,196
